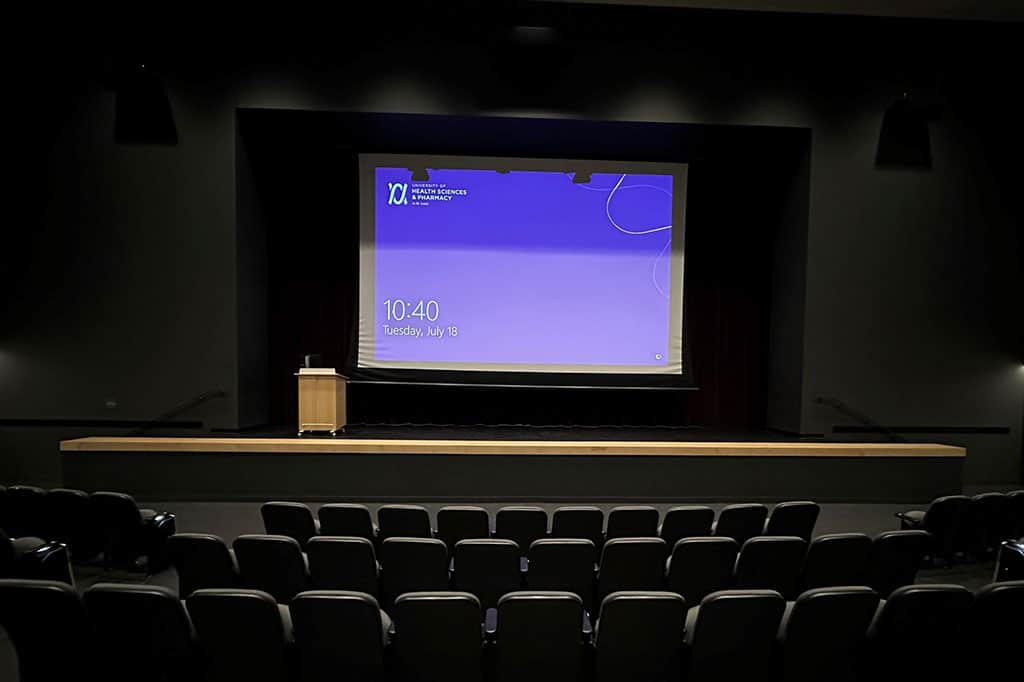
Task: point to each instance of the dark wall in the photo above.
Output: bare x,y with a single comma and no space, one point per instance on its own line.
124,278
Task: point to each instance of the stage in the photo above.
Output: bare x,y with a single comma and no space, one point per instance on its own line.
465,469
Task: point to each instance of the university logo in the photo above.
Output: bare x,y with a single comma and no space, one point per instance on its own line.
396,193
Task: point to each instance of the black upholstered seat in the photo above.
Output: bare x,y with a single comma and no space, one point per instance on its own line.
740,522
242,635
632,522
771,562
72,520
994,631
403,521
202,561
700,566
579,522
291,519
540,636
522,525
793,518
947,519
690,521
412,565
895,558
1016,504
631,564
143,631
34,559
488,569
342,563
339,635
26,511
272,563
731,635
990,523
822,633
347,520
8,654
835,560
130,532
564,564
439,637
1010,561
639,636
456,523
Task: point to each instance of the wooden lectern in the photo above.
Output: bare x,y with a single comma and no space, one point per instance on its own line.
322,402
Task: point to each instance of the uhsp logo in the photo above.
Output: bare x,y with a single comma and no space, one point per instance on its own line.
397,192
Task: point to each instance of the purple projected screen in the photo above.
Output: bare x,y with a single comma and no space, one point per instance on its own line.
484,266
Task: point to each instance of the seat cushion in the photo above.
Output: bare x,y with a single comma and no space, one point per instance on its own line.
915,515
25,544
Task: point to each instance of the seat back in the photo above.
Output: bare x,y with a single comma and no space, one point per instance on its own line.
488,569
522,525
241,635
47,623
143,630
121,524
639,636
457,523
948,520
700,566
8,654
346,520
823,632
1016,504
793,518
439,638
291,519
632,522
733,636
273,564
72,520
990,522
993,628
540,636
202,561
403,521
338,635
412,565
835,560
895,557
631,564
563,565
579,522
771,562
691,521
741,522
342,563
26,511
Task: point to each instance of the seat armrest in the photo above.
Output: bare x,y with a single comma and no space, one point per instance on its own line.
164,522
902,516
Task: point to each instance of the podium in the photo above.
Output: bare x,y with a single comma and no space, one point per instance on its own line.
322,402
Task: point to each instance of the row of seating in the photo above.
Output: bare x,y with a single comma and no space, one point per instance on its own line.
526,524
969,526
143,632
107,525
491,568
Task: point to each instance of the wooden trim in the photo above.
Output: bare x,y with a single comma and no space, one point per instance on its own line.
354,446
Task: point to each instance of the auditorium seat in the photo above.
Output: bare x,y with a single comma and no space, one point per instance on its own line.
836,560
1010,561
793,518
683,522
994,630
488,569
202,561
990,523
539,636
130,533
579,522
731,635
339,635
274,564
565,565
26,511
34,559
73,521
438,637
342,563
948,521
771,562
631,564
522,525
1016,499
143,632
403,521
456,523
740,522
700,566
242,635
47,623
291,519
8,654
896,556
822,632
639,637
412,565
632,522
347,520
917,634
